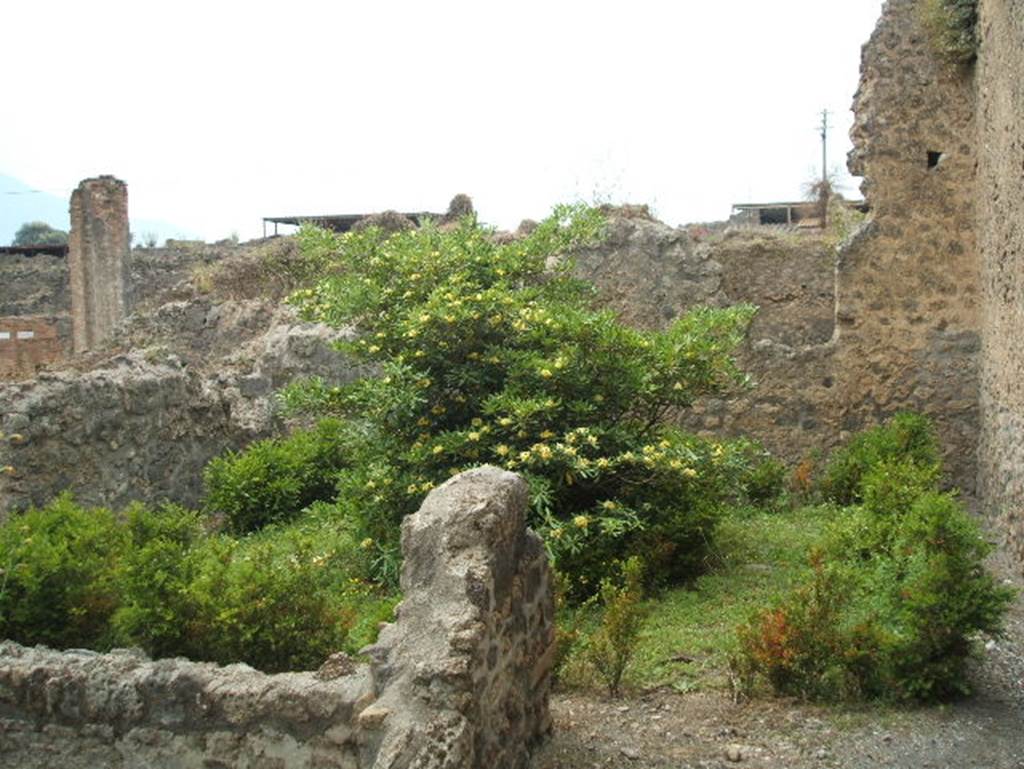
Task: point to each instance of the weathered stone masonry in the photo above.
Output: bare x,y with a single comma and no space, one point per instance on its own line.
460,681
999,84
908,287
97,259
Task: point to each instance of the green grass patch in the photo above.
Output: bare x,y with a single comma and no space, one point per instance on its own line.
690,632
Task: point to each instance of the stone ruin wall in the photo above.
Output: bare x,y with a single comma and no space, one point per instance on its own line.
651,273
460,680
909,285
999,79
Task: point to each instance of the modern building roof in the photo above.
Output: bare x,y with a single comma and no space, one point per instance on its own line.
339,222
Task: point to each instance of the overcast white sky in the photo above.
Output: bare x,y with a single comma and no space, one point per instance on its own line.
220,113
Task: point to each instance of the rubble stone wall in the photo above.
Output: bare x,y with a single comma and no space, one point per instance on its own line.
909,287
651,273
460,680
999,79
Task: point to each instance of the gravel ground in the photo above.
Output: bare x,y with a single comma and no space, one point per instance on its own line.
706,730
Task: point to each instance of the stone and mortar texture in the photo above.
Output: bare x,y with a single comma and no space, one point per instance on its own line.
999,91
460,680
651,273
909,284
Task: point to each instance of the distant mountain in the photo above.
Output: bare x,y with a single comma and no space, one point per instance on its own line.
20,203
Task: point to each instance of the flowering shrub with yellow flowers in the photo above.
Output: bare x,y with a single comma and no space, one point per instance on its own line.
488,350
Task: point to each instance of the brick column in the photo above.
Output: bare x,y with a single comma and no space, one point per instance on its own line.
98,259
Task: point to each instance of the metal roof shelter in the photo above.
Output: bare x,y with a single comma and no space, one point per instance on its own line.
787,212
336,222
61,250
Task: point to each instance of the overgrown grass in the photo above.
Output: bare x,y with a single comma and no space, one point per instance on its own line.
690,633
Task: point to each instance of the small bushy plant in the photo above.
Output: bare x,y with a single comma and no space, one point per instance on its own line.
952,27
489,351
898,591
904,437
610,648
273,480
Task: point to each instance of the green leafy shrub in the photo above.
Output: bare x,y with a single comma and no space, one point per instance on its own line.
611,647
905,436
897,591
490,351
58,587
764,483
283,599
952,27
273,480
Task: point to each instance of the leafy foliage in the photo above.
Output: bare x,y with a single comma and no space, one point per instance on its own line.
57,587
489,351
273,480
952,27
39,234
905,437
610,649
283,599
898,589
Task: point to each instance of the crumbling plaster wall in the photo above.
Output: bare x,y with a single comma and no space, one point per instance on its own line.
460,680
909,285
999,79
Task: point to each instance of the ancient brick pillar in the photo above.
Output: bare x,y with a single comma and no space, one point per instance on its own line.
98,259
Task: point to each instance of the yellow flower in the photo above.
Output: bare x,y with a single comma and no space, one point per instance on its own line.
502,450
366,544
609,504
423,422
438,449
474,436
505,421
374,348
546,373
476,421
556,533
599,398
689,472
547,435
371,485
677,386
438,410
581,521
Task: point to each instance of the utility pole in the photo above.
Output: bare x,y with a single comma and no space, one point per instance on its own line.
826,191
824,146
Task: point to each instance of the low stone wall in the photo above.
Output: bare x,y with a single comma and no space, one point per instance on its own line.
460,680
134,429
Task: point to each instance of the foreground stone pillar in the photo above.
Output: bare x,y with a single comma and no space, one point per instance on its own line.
98,260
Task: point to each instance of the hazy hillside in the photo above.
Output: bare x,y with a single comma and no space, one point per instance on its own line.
20,203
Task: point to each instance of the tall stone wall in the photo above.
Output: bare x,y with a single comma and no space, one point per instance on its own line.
651,273
909,287
999,78
461,680
97,259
